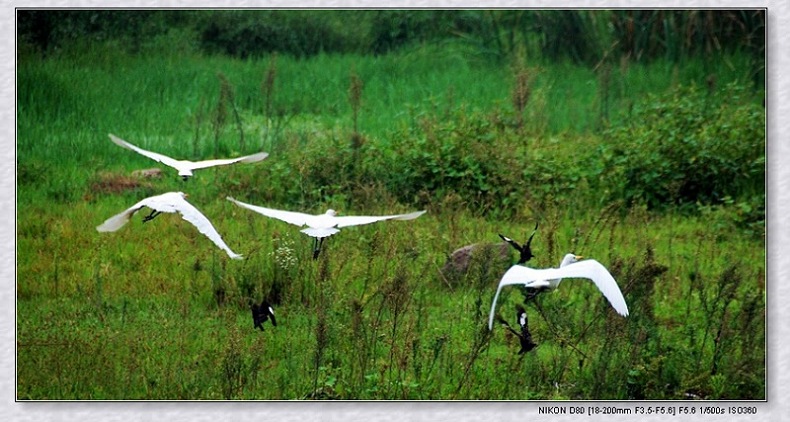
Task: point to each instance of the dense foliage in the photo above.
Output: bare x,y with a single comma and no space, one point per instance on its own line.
584,36
681,150
689,147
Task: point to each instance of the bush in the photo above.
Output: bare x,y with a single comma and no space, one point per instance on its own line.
47,30
687,148
464,154
493,167
256,33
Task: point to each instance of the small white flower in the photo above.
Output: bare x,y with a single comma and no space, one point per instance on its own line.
284,255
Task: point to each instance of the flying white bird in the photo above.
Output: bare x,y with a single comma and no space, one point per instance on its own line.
322,225
169,202
570,267
185,167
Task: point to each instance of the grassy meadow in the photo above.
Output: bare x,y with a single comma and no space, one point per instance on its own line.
654,169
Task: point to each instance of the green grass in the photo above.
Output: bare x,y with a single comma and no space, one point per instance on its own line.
123,320
155,311
78,100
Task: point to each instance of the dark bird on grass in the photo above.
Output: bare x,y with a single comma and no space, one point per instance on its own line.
548,279
524,337
170,202
261,313
324,225
524,251
185,167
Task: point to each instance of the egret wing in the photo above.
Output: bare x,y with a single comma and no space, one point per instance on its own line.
193,215
152,155
595,271
295,218
319,232
166,202
221,162
117,221
349,220
589,269
517,274
162,203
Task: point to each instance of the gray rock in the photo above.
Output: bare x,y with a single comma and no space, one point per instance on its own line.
152,173
478,262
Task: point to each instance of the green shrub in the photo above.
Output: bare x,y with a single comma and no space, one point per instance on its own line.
463,154
256,33
688,147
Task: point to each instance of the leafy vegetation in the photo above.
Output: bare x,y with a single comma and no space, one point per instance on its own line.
653,167
578,35
687,147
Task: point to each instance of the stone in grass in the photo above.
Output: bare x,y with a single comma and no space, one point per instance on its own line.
470,259
152,173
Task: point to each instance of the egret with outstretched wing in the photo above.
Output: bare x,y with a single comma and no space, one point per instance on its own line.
549,279
185,167
169,202
322,225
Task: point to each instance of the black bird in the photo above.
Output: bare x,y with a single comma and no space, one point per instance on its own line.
524,337
525,252
261,313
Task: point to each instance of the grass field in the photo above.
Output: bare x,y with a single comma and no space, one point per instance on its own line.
155,311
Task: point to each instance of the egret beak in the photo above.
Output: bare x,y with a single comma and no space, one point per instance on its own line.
578,257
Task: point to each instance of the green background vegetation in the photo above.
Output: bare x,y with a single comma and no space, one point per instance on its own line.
633,137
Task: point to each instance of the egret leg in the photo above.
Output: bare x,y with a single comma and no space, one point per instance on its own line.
151,216
317,248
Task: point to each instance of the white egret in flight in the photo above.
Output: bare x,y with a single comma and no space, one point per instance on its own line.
169,202
185,167
322,225
549,279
